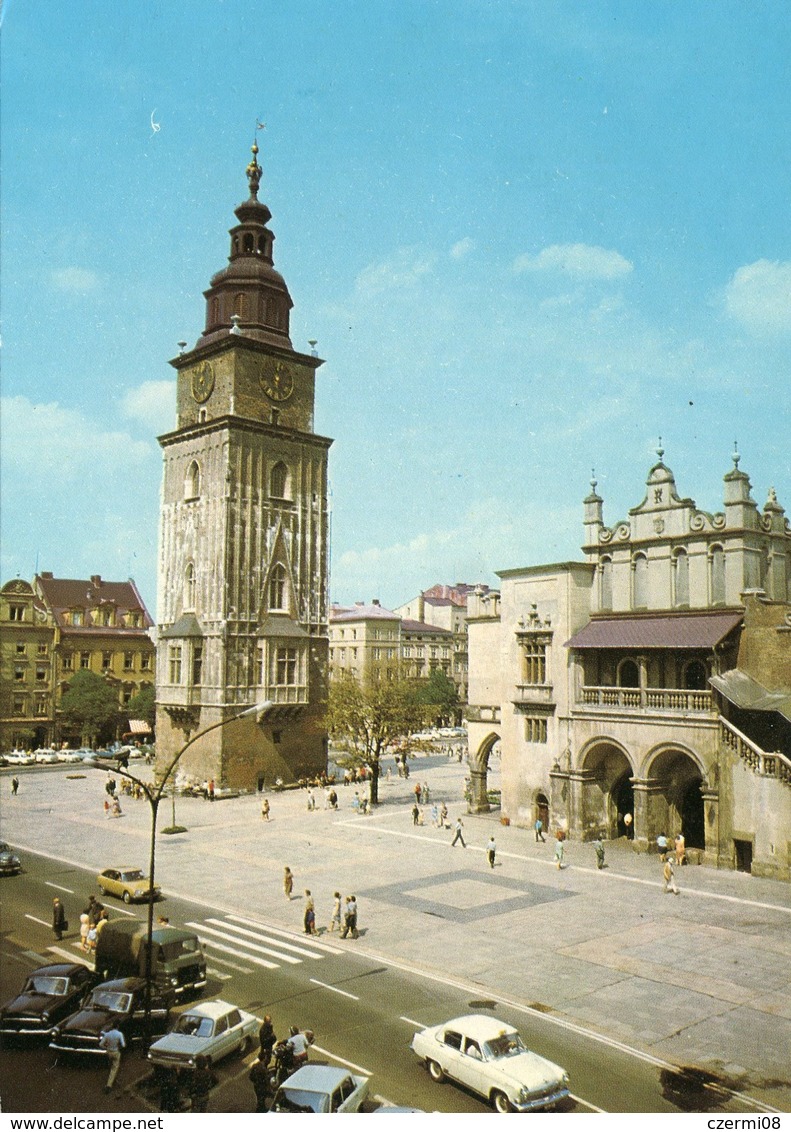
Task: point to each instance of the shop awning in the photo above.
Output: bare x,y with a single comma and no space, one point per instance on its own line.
669,631
749,695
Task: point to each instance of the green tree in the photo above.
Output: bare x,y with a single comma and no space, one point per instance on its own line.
90,704
438,694
364,718
143,706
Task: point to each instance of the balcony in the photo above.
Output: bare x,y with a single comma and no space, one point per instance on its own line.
528,695
664,701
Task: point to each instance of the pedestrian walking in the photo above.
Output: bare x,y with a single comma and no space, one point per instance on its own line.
418,790
599,849
335,919
14,785
309,919
211,790
265,810
681,849
311,800
59,922
669,877
350,918
491,850
425,793
201,1084
84,929
559,849
661,844
415,814
94,909
443,815
539,828
113,1043
288,882
107,808
458,834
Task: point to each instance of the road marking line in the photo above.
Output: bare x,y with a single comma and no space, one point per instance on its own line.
412,1022
337,990
230,951
266,939
219,974
68,955
36,920
59,887
40,959
233,966
203,928
588,1104
343,1061
287,935
124,912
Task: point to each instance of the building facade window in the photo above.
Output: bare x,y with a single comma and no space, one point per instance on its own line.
535,729
680,566
605,583
534,662
41,674
76,617
85,660
717,575
174,664
628,674
43,648
107,660
278,588
278,481
197,665
40,705
19,673
18,705
67,661
20,648
192,481
189,586
145,662
129,661
16,613
285,666
639,582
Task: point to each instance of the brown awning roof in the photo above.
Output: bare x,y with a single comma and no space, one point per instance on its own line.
671,631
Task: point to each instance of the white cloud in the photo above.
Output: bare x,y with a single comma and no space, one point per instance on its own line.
759,296
582,261
77,280
153,404
401,270
462,248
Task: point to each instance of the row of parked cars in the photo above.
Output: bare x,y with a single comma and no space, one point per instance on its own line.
48,756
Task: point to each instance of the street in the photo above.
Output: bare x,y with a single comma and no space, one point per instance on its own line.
363,1000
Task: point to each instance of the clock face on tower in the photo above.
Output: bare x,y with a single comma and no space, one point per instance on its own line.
203,381
277,380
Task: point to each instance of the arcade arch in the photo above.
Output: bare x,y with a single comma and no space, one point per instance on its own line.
677,800
609,791
479,767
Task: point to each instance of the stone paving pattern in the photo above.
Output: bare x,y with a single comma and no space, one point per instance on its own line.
701,979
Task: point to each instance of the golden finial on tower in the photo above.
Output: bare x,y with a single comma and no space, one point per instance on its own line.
254,170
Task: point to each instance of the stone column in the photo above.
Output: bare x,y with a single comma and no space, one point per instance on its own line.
479,799
714,854
646,826
559,798
584,821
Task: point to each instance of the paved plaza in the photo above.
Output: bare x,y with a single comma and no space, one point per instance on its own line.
699,979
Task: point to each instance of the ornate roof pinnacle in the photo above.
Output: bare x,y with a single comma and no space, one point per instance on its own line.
254,172
736,457
660,450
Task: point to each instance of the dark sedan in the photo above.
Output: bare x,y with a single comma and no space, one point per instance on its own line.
10,864
119,1004
49,995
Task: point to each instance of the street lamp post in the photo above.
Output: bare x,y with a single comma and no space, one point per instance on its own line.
154,793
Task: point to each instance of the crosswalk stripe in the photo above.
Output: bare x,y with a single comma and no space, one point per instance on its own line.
233,966
231,951
266,939
68,955
219,974
243,944
287,935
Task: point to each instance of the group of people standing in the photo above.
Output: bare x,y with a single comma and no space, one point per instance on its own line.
344,914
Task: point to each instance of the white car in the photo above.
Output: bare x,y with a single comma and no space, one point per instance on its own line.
45,755
19,758
72,756
489,1057
214,1029
321,1088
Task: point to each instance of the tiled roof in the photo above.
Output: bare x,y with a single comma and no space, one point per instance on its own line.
422,627
362,613
663,631
747,694
62,594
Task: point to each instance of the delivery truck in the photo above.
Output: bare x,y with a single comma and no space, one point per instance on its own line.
178,965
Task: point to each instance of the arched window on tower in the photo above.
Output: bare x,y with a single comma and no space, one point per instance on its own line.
605,583
189,586
240,305
278,481
639,582
717,575
249,243
680,566
278,588
192,481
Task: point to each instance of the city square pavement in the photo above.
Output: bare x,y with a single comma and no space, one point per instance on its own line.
699,979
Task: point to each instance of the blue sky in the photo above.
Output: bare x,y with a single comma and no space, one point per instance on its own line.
529,237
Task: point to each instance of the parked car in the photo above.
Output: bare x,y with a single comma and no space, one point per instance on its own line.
214,1029
118,1004
321,1088
489,1057
45,755
72,756
127,882
19,758
10,864
49,994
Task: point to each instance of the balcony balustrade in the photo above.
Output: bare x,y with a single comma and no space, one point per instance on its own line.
663,700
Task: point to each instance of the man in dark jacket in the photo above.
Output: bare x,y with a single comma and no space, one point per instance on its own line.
59,922
266,1040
